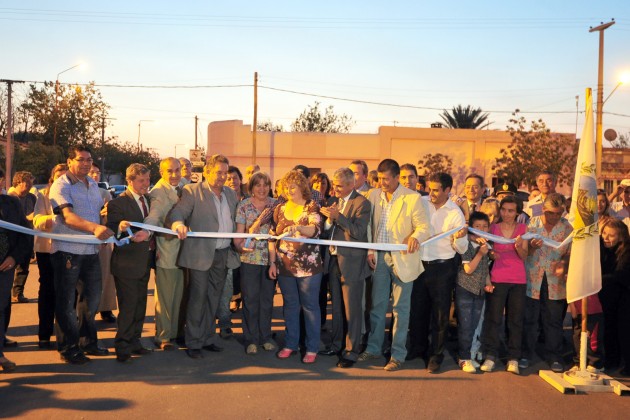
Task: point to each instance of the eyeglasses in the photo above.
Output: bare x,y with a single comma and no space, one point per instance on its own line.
81,160
553,213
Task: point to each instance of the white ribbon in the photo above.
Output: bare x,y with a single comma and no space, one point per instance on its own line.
80,239
506,241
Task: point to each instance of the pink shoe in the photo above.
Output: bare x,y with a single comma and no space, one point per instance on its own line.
285,353
309,358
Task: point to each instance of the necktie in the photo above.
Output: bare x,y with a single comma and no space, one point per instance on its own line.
145,211
333,249
473,208
179,191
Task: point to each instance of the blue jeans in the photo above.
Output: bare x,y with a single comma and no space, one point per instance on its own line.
75,325
469,307
301,292
382,279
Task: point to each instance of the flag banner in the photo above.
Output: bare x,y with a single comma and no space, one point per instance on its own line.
585,276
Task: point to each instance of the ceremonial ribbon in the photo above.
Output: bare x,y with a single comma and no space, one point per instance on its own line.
506,241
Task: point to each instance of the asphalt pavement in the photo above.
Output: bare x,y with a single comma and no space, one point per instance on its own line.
234,385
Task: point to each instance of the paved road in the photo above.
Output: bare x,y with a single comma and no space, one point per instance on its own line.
234,385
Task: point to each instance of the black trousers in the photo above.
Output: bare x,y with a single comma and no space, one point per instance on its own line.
46,298
510,296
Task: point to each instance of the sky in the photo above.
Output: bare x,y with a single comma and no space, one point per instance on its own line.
198,58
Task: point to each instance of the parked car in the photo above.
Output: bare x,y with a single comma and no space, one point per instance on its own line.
118,189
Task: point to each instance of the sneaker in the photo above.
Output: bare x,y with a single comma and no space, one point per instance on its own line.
488,366
556,367
393,365
512,367
467,366
269,346
593,369
367,356
252,349
75,359
523,363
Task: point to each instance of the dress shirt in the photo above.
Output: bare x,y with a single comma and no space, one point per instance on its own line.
328,225
447,217
225,219
383,235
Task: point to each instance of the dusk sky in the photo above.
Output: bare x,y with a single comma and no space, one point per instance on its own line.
536,56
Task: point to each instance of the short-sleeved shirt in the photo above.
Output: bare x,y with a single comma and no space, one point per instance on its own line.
543,260
475,281
621,212
86,202
508,266
246,214
298,259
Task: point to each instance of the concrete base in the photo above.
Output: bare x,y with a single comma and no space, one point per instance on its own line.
573,382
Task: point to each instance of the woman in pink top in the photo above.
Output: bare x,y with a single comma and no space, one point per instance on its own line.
509,281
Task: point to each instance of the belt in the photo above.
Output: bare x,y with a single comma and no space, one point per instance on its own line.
433,262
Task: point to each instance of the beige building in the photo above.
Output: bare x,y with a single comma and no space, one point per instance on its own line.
277,152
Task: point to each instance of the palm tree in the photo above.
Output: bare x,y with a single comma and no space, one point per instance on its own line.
460,117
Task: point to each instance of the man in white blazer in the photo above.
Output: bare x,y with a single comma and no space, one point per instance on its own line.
398,217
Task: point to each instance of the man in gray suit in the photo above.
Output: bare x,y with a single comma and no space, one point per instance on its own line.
348,216
205,207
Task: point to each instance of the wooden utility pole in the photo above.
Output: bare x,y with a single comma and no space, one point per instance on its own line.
9,147
196,130
255,123
600,95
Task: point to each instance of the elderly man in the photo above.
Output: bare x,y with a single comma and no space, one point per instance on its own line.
131,264
398,217
348,216
169,278
22,183
76,199
207,206
186,169
473,192
546,182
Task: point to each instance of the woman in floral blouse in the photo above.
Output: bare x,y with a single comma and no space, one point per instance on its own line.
297,265
546,282
256,288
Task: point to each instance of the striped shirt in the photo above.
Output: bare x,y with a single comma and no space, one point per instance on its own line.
383,235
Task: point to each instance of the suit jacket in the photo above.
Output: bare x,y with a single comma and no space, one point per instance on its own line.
132,260
163,198
197,210
352,226
465,208
409,218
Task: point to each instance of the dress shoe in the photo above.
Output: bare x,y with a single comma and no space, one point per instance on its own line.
108,316
213,348
180,341
142,350
10,343
19,299
45,344
77,358
123,358
95,351
166,346
345,363
414,354
194,353
433,366
327,352
226,333
8,366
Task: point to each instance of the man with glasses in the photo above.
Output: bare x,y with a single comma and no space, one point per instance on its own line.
76,201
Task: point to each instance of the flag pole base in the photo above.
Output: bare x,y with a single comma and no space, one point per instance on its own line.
577,381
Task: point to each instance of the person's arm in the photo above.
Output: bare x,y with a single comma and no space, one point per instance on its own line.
42,219
471,266
419,223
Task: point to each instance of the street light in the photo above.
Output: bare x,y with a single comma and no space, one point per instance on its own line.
80,66
178,144
625,78
139,125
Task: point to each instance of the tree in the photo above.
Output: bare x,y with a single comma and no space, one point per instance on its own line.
435,163
621,142
77,118
312,120
534,150
269,126
38,159
460,117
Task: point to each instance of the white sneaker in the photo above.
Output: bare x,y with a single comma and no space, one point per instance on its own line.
512,367
467,366
488,366
593,369
252,349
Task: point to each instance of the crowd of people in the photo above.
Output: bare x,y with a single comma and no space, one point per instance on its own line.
504,297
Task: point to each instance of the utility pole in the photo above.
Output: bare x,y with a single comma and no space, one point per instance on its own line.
600,94
103,118
255,123
196,130
9,148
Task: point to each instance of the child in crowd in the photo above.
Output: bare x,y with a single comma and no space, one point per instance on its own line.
473,280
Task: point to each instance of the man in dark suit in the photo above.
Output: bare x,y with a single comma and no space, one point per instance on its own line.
131,264
348,214
205,207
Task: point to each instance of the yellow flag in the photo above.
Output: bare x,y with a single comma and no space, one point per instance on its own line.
585,275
